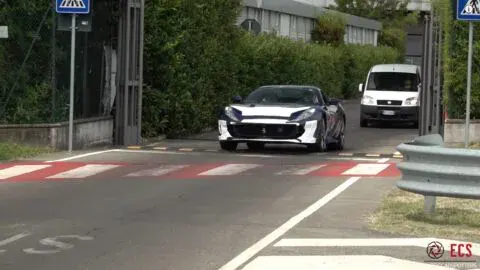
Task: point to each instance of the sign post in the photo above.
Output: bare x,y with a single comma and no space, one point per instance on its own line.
468,10
72,7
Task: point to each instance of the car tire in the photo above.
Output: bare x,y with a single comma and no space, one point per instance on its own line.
363,122
255,145
321,144
228,146
415,124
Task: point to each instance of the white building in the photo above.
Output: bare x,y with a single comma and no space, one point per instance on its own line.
296,19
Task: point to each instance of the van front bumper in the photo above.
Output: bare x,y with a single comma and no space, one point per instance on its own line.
390,113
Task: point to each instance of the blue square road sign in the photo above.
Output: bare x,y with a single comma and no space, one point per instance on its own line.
73,6
468,10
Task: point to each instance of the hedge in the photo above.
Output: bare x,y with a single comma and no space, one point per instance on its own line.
196,59
454,54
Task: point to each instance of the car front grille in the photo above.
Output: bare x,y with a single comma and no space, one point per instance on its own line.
392,102
272,131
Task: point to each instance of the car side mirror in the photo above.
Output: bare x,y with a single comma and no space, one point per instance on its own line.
360,87
237,99
334,101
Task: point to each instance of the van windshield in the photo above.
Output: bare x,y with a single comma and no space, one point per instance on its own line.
393,81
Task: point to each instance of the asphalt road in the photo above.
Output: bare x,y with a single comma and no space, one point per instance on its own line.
142,209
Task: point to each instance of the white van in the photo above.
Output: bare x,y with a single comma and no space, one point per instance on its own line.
391,93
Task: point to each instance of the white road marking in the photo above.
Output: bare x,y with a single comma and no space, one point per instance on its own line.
84,155
85,171
342,262
366,169
156,152
344,242
253,155
162,170
230,169
292,222
383,160
19,170
372,242
13,239
300,171
53,242
372,155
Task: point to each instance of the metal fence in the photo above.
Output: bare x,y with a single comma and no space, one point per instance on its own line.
432,112
34,63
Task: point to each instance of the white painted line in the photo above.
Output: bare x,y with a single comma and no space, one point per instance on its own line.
154,152
160,148
371,242
344,242
14,238
383,160
372,155
85,171
342,262
162,170
19,170
292,222
366,169
84,155
260,156
346,154
230,169
300,171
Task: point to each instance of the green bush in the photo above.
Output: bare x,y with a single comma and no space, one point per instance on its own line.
455,52
196,59
358,61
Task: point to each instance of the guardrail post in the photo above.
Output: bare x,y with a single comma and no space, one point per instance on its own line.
429,205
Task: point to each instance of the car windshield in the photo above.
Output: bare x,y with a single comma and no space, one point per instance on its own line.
393,81
282,95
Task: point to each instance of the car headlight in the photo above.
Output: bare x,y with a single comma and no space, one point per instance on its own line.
230,113
368,100
305,114
412,101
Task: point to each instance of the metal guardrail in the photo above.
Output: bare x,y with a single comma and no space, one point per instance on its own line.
432,170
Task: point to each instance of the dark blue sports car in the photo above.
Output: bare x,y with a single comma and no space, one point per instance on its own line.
294,114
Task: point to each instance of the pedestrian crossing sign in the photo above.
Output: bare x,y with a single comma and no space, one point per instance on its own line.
468,10
73,6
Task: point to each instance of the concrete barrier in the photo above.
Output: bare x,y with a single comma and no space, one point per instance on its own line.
87,133
454,131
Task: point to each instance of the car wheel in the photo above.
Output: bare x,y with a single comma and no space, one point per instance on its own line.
415,124
255,145
229,146
321,144
363,122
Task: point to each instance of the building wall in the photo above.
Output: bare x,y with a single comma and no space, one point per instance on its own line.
298,24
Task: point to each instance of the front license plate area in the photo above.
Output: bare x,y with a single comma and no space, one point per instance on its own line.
388,112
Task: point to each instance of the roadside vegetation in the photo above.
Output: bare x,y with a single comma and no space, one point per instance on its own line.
196,59
402,212
14,151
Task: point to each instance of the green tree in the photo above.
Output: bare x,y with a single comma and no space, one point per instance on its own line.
393,14
329,28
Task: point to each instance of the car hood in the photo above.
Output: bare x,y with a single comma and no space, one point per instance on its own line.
270,110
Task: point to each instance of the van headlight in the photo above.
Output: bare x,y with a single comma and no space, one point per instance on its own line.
412,101
368,100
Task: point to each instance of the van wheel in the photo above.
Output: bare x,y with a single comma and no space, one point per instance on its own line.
363,122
